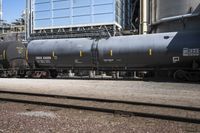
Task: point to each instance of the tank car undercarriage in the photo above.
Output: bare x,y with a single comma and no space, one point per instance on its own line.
137,74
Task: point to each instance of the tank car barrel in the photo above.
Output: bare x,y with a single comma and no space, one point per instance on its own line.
139,51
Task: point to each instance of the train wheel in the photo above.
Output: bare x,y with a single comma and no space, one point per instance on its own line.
53,73
187,76
180,75
115,74
92,74
193,76
22,75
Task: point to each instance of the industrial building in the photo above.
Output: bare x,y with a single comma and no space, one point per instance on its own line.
17,26
13,30
173,15
78,17
105,18
89,46
50,14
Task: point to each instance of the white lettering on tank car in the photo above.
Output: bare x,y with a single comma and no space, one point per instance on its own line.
38,57
47,57
118,60
176,59
77,61
44,57
43,61
108,60
191,52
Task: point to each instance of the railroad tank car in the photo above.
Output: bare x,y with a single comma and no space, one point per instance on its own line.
61,53
175,15
152,50
12,57
175,50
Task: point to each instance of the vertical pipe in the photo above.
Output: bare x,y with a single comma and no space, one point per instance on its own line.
114,10
92,12
150,11
71,12
155,10
52,15
28,19
32,16
144,8
1,13
1,10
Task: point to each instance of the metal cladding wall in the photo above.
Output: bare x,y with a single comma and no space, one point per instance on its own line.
49,14
175,15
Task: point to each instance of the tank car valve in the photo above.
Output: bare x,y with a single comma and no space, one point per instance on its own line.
54,56
111,53
81,53
27,55
4,54
150,52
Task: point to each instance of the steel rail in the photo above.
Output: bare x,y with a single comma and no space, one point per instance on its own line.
189,108
104,110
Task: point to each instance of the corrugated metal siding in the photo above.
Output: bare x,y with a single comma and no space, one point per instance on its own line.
61,13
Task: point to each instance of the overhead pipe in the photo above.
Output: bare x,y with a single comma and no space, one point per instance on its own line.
175,18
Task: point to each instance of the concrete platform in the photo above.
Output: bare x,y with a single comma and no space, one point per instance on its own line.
185,94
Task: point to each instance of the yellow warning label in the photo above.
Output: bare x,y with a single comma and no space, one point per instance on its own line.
150,52
4,54
81,53
27,55
111,53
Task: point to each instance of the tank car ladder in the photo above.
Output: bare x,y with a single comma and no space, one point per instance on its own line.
94,54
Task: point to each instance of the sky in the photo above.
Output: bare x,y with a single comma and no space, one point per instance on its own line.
12,9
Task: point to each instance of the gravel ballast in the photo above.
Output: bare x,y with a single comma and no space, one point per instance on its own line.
186,94
37,119
24,118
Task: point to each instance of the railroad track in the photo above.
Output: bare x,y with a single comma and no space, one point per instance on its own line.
127,108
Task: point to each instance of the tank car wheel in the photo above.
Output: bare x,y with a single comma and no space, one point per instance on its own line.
53,73
180,75
193,76
22,75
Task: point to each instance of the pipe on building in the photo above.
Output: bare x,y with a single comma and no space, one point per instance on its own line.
28,23
144,16
1,10
1,14
175,18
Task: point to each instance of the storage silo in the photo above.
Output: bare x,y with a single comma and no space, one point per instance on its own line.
174,15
